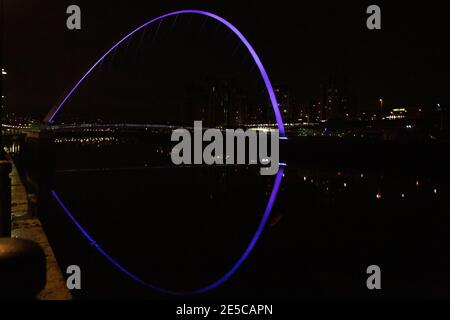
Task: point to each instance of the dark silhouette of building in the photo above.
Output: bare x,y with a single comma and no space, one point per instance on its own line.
284,102
332,104
195,104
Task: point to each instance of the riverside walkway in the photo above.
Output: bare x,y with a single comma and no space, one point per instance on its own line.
27,226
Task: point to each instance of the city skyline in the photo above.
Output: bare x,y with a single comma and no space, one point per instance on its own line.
363,62
331,103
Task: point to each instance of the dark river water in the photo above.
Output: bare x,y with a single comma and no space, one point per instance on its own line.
183,228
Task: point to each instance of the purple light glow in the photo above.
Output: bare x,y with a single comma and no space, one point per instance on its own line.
207,288
51,115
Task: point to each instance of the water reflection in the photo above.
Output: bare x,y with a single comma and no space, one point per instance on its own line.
330,183
327,225
13,148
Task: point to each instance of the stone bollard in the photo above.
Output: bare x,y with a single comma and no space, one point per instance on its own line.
23,270
5,199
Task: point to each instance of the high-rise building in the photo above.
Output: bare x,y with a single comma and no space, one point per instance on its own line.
284,103
217,102
195,104
239,109
228,104
220,102
2,98
314,111
334,103
2,101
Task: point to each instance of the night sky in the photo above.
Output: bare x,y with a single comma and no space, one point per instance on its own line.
302,44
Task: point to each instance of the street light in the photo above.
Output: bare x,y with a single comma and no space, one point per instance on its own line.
2,97
381,107
3,73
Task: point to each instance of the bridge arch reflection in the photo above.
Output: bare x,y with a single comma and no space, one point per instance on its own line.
277,182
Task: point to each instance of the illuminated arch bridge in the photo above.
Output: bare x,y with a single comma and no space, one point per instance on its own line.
54,111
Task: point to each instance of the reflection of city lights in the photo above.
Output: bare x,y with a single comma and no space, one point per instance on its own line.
378,195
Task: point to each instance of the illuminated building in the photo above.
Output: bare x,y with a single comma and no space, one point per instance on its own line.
396,114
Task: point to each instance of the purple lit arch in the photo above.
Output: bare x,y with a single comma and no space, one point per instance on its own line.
206,288
273,99
277,182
